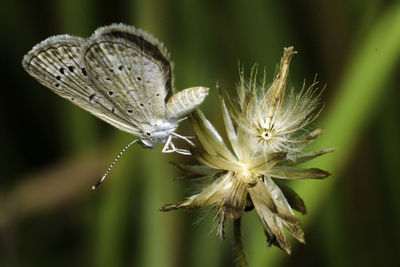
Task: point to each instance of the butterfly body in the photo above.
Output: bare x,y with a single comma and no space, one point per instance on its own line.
157,133
121,75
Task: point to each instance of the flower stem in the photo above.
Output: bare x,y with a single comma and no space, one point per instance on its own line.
241,257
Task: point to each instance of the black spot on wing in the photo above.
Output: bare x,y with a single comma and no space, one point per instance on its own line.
84,71
149,49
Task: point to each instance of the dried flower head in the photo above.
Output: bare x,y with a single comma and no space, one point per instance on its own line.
265,130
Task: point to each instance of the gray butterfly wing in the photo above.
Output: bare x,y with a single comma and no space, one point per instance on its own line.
133,68
57,64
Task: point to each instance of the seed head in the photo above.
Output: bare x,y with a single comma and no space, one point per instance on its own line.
266,135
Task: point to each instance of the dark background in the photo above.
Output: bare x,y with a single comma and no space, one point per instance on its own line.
52,152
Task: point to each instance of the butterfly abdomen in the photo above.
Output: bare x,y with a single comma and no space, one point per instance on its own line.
185,101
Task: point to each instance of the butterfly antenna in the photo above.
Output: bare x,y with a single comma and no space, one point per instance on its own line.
112,164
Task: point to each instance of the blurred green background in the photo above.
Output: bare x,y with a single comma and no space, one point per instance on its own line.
52,152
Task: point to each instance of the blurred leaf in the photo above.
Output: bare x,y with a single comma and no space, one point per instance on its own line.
51,188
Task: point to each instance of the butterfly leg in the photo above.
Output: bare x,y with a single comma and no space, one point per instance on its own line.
186,138
169,147
166,148
183,152
180,120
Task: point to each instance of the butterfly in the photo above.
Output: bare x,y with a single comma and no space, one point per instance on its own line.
123,76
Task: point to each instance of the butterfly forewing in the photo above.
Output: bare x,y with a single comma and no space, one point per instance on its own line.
56,63
131,70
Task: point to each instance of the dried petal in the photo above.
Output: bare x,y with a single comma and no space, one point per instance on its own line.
283,208
272,224
230,130
196,169
295,201
211,140
301,158
169,207
310,137
264,162
194,172
215,161
259,196
286,172
295,230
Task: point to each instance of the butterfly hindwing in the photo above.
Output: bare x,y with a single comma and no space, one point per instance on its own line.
56,63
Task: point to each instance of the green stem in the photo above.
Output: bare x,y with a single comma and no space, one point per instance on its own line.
241,257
